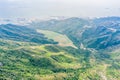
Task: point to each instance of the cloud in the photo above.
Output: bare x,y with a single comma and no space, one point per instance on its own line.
59,8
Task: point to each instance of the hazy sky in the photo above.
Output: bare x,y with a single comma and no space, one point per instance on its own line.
43,8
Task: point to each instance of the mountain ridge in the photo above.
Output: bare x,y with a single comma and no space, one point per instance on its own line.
22,33
79,30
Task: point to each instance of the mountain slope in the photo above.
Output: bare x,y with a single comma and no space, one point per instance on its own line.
98,33
72,27
96,58
104,34
62,40
21,33
23,60
32,61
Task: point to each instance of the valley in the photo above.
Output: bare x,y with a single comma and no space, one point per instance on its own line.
69,49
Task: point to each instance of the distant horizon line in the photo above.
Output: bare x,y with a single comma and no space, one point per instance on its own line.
43,17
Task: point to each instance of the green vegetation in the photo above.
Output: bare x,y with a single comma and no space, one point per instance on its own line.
72,27
98,33
62,40
23,34
23,60
28,55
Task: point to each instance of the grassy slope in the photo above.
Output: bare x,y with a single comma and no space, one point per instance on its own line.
62,39
114,68
29,61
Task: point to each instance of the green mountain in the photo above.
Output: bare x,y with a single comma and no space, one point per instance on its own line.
23,60
70,49
22,33
30,61
72,27
99,33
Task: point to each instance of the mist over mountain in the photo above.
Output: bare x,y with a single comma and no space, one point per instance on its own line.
59,39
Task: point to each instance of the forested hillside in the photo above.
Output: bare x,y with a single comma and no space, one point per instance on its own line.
22,60
98,33
22,33
69,49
